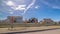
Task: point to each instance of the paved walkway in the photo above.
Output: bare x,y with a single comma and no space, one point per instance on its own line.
21,29
57,31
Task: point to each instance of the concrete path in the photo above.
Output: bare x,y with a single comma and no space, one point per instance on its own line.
57,31
21,29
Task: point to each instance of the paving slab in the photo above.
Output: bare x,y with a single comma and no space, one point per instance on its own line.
21,29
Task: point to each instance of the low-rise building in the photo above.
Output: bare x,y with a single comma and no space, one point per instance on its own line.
47,21
33,20
15,19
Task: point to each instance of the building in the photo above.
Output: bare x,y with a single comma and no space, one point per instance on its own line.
3,21
47,21
58,22
15,19
0,21
33,20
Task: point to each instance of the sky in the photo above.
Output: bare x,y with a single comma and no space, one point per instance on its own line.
39,9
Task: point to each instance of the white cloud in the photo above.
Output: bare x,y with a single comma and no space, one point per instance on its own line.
11,12
29,6
51,4
56,7
16,6
19,7
10,3
37,7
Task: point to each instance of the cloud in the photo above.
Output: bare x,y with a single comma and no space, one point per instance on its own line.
37,7
53,4
56,7
11,12
14,5
19,7
31,4
45,2
10,3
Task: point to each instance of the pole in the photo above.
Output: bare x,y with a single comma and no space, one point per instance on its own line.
12,21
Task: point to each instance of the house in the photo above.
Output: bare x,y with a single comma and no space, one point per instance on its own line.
47,21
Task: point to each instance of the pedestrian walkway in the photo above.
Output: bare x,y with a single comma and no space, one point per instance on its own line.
21,29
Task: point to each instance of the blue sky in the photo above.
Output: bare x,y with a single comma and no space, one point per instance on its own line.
31,8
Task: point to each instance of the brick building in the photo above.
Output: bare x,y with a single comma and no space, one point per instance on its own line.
47,21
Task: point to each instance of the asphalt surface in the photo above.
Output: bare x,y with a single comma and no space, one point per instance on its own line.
47,31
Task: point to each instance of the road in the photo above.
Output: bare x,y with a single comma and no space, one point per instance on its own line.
57,31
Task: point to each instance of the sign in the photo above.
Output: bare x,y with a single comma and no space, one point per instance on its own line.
12,19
